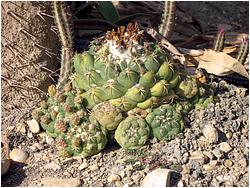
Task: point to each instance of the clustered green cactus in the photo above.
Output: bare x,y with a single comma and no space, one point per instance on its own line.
120,73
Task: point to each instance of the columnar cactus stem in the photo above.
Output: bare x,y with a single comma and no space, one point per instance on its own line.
168,18
65,34
243,52
219,41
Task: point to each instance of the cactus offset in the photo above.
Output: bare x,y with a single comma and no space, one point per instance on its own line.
165,122
132,133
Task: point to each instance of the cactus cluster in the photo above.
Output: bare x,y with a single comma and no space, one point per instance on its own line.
119,78
128,75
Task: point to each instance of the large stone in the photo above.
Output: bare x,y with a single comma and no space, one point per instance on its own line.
59,182
33,126
157,178
211,134
18,155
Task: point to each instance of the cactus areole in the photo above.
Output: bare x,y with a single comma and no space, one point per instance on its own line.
121,72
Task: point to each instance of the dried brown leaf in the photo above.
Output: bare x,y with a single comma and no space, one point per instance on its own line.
220,64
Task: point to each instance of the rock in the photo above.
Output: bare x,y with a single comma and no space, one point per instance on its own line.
50,140
198,156
136,178
98,184
37,146
18,155
157,178
242,163
122,173
68,160
208,154
84,165
224,146
20,127
59,182
94,167
53,166
130,167
229,134
210,166
228,163
180,184
33,126
37,156
118,184
113,177
211,134
5,165
217,153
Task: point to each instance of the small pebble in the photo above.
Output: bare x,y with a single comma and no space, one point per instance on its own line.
198,156
18,155
118,184
21,128
211,134
94,167
113,177
83,165
67,161
33,126
228,163
243,163
229,135
122,173
225,147
53,166
49,140
180,184
217,153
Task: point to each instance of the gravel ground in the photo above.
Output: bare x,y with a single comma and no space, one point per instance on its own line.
218,157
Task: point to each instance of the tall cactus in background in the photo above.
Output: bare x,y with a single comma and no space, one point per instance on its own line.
63,20
243,51
219,41
168,19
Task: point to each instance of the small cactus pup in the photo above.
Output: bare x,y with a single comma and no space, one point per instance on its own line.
188,87
107,115
132,133
124,69
84,139
165,122
54,115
